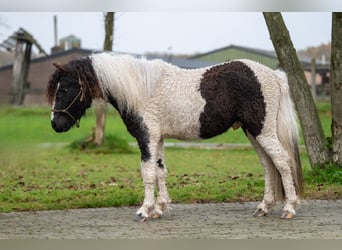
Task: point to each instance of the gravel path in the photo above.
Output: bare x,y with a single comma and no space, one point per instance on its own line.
315,219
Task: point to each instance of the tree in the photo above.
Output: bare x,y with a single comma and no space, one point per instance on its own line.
100,107
336,87
314,138
317,51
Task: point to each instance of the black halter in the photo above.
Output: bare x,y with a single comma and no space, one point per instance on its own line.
80,93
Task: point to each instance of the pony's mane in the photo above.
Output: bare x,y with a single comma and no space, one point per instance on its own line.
131,81
52,86
77,68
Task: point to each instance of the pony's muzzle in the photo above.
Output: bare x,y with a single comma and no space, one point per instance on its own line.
56,127
59,127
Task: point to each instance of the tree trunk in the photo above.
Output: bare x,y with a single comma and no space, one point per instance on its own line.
336,87
100,107
100,111
109,28
311,126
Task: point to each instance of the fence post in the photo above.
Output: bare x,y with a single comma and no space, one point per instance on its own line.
313,79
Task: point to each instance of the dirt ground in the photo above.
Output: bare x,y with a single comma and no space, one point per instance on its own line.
315,220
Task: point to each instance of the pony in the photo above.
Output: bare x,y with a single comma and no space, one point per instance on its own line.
158,100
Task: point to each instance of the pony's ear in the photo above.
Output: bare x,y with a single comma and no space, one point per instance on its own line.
59,66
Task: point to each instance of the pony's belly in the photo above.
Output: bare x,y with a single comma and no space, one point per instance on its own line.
181,123
182,133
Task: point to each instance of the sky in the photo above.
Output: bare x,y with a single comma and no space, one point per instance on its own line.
169,32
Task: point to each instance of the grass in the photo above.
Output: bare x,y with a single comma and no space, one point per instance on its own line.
40,169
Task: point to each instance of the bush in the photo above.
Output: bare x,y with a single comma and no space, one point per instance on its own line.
111,144
331,174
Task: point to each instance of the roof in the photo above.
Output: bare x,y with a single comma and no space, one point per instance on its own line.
305,60
53,56
71,38
188,63
183,62
180,62
63,53
262,52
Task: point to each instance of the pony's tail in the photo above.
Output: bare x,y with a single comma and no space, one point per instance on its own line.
288,135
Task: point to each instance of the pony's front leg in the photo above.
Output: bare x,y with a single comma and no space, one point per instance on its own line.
148,174
163,199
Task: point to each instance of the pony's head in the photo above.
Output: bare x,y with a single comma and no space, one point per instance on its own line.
70,93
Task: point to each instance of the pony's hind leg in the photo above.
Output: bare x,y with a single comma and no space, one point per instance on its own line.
281,160
163,199
269,200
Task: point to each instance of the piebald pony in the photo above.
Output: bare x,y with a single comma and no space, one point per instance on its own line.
157,100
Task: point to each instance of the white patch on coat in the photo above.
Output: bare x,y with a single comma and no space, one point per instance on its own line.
54,102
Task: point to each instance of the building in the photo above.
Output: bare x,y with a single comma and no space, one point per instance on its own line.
6,58
39,72
41,68
70,42
268,58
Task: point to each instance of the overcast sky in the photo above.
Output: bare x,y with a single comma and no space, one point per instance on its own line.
165,32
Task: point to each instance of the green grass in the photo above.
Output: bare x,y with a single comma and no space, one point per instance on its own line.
40,169
64,179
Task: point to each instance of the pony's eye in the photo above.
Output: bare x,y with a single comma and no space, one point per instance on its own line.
64,90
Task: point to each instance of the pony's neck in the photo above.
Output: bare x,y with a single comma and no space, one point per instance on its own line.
129,81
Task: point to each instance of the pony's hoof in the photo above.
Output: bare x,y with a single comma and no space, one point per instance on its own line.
143,214
140,218
156,215
287,215
259,213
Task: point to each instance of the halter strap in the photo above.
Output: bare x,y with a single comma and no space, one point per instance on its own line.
80,93
65,111
82,87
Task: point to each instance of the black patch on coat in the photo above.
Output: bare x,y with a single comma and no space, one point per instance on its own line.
136,127
160,164
232,94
